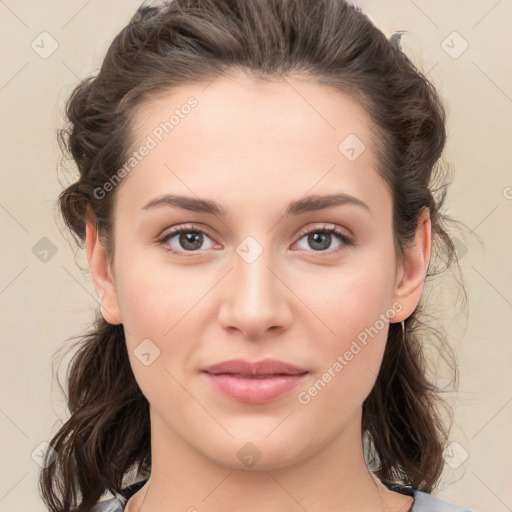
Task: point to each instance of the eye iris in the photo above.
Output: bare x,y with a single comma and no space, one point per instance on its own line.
315,238
191,240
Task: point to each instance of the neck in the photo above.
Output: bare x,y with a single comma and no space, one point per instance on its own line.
333,478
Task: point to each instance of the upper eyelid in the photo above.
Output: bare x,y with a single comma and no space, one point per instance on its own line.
185,227
325,226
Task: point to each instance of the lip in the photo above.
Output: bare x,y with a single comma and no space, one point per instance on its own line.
257,368
254,390
255,383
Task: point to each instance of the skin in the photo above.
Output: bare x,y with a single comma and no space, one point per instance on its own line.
254,146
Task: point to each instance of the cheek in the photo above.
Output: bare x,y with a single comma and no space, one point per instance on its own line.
155,298
161,313
348,361
357,309
354,300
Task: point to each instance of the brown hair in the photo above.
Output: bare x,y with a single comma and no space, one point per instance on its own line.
330,42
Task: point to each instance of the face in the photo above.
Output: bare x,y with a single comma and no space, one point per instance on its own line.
262,276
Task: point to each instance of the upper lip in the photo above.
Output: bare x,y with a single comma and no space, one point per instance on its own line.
263,367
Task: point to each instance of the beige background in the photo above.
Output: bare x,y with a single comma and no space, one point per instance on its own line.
43,303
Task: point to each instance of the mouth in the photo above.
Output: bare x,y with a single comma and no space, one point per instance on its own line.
263,368
254,389
254,382
246,376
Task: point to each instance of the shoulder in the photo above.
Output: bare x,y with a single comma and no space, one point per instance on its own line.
424,502
115,504
118,502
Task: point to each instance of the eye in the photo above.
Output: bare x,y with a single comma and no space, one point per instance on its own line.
191,238
188,239
320,239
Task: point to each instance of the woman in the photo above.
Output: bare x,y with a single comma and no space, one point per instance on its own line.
256,199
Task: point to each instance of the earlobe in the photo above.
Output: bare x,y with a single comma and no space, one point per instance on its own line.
102,275
413,269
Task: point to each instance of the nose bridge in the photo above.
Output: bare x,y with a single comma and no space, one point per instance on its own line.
254,283
255,299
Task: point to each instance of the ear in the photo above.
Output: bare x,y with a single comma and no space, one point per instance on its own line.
412,270
102,275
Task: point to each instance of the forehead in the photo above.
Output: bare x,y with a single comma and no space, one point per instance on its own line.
237,132
245,107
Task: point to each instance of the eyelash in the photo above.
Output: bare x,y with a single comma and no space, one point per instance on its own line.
345,240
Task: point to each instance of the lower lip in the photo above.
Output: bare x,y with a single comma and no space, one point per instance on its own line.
254,390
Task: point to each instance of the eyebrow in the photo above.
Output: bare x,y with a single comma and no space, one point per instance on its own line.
304,205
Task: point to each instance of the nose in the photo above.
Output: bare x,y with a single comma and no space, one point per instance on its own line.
255,298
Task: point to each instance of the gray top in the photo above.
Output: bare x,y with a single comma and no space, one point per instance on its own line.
423,502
